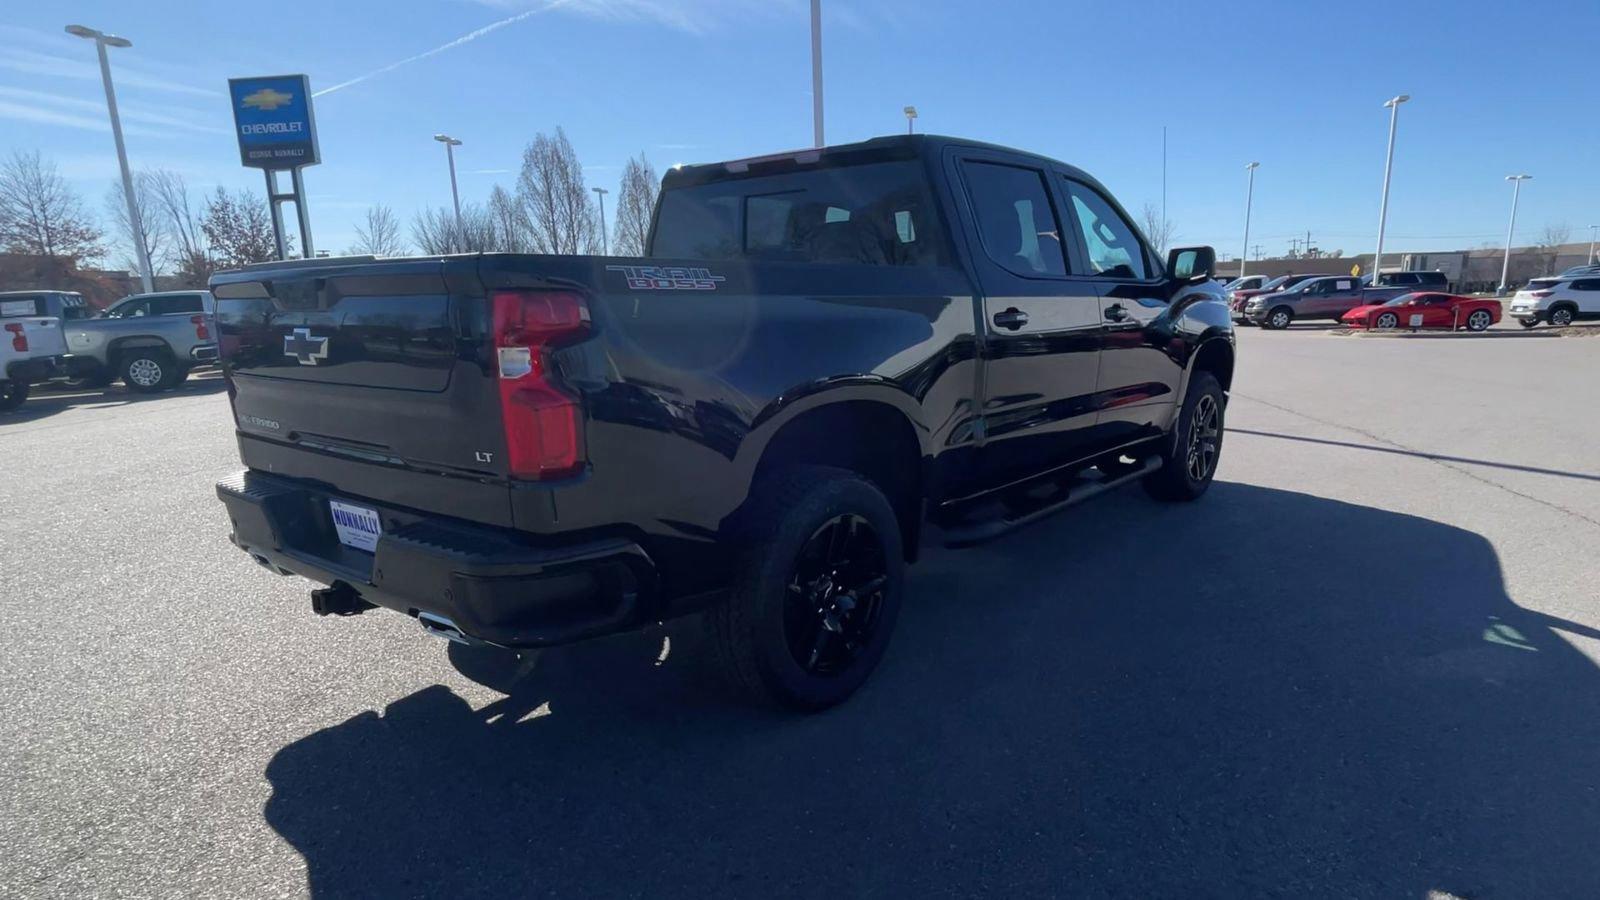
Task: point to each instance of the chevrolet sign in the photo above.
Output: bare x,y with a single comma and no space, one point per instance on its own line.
273,119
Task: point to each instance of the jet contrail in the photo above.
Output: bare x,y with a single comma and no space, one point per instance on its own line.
465,38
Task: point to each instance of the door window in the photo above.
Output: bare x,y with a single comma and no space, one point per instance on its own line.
177,304
1015,218
1113,243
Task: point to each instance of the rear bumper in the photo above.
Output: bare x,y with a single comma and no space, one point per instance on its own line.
42,368
489,582
203,353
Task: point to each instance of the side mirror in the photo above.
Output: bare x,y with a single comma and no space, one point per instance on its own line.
1194,264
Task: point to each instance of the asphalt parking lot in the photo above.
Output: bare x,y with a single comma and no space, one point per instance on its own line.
1364,665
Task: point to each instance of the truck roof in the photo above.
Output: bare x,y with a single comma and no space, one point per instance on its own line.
888,147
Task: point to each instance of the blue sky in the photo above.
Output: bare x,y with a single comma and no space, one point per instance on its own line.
1297,86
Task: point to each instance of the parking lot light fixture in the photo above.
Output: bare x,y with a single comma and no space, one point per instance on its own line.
1393,105
911,117
1249,197
1516,192
136,229
1592,229
450,145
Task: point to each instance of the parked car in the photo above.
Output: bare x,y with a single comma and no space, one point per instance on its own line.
1582,271
1238,299
31,350
1247,282
1316,298
1436,311
1436,281
150,341
1560,300
823,350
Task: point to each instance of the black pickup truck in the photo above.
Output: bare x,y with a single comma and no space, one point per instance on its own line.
824,352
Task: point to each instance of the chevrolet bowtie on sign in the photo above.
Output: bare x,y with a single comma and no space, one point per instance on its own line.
274,121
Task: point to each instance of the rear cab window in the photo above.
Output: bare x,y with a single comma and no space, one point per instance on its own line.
870,213
20,307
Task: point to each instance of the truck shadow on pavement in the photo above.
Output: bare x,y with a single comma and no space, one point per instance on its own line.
1263,693
46,401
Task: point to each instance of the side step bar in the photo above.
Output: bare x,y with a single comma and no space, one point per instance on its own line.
967,535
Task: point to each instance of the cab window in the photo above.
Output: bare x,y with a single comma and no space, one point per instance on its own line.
1113,243
1016,221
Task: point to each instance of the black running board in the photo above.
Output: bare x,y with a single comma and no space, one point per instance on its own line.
967,535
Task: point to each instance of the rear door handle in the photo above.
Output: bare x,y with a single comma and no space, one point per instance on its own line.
1011,318
1115,312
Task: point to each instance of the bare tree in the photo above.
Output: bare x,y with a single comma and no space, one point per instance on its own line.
512,233
636,206
437,231
179,217
1549,247
1157,228
238,229
561,216
152,228
39,213
380,234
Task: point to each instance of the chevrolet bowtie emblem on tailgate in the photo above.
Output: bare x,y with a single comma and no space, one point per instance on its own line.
305,346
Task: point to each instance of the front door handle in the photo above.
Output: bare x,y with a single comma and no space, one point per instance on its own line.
1115,312
1011,318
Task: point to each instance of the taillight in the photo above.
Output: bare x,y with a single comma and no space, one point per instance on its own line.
543,422
19,338
1540,293
201,332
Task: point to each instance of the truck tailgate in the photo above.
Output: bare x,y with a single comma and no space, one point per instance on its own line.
41,334
370,368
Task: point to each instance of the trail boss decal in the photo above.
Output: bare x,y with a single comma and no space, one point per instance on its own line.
668,278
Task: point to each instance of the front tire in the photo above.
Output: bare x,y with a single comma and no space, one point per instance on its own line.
1387,321
148,371
1561,317
1278,319
12,395
816,590
1190,461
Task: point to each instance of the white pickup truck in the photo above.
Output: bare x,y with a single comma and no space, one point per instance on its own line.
32,349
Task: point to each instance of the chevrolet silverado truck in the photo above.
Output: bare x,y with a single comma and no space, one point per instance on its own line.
31,350
827,358
150,341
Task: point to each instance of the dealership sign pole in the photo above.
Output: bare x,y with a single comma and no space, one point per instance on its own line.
278,131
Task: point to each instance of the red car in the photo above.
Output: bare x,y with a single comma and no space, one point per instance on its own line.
1437,311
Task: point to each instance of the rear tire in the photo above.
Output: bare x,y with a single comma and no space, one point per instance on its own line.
148,370
817,586
12,395
1480,320
1278,319
1190,460
1528,323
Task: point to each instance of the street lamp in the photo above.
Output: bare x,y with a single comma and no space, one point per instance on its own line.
816,72
605,246
1249,196
911,115
1591,243
1516,191
101,42
1393,105
450,145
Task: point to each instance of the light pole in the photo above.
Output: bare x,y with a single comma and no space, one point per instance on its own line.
1591,243
1249,197
101,42
1516,192
605,246
911,116
450,145
816,72
1393,105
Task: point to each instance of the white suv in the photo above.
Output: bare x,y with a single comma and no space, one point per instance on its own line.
1559,300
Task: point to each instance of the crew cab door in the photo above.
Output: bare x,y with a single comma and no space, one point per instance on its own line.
1339,296
1138,379
1041,327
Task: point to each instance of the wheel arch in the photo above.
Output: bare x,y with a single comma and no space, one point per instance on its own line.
871,432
